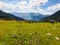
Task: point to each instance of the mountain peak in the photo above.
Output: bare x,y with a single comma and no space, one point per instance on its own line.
1,11
58,11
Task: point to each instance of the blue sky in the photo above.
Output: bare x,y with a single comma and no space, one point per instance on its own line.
45,7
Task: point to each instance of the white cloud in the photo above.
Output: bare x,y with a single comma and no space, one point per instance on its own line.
54,7
24,6
7,5
49,10
34,3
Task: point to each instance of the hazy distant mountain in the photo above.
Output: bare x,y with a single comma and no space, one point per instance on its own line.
38,17
8,16
55,17
29,16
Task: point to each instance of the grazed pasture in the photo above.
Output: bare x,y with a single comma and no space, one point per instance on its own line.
22,33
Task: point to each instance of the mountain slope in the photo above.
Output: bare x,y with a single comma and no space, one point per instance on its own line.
29,16
38,17
8,16
55,17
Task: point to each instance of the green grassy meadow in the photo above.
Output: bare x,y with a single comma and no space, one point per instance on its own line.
21,33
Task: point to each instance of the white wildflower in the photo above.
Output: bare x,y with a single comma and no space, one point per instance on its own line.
57,38
48,34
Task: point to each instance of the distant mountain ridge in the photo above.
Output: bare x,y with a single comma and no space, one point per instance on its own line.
55,17
30,16
8,16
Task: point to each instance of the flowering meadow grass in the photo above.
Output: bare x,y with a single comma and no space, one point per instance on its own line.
22,33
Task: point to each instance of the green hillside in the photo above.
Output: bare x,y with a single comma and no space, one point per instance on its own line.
20,33
8,16
55,17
